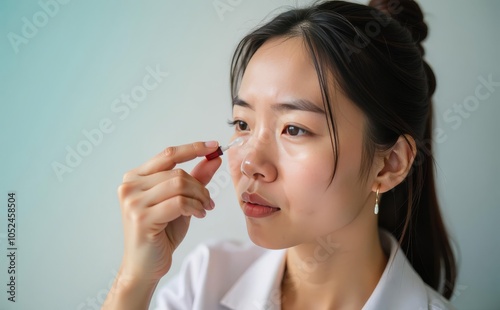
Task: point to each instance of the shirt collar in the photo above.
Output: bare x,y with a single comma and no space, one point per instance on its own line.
260,285
399,287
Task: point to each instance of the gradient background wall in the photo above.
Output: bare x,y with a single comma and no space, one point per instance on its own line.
68,76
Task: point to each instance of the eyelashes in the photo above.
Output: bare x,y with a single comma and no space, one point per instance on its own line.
240,125
291,130
294,131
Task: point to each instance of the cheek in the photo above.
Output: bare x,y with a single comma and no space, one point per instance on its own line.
311,196
346,190
306,179
234,163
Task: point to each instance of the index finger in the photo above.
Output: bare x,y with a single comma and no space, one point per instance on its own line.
173,155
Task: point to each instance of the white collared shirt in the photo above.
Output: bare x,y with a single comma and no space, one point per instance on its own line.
228,275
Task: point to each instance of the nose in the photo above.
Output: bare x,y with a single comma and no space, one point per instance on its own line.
258,162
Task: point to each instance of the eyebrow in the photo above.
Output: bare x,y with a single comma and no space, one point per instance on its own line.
293,105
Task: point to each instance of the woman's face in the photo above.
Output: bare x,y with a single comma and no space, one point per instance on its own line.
287,158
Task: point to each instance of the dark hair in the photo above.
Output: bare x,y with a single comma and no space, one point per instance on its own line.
374,54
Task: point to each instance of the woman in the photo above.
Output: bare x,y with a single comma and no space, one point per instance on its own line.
335,176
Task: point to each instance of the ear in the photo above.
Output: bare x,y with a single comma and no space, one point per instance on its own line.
397,162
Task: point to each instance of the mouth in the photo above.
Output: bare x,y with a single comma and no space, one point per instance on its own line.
257,206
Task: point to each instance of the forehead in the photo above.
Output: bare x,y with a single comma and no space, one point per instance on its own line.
280,69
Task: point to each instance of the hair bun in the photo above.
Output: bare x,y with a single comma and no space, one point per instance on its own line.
408,14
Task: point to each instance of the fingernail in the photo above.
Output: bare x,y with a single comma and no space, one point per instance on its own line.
212,203
211,144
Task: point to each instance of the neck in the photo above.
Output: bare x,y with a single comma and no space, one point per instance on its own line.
335,272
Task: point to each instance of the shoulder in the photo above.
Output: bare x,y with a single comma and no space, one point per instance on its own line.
400,286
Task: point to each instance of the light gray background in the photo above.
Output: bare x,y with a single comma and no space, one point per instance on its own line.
89,53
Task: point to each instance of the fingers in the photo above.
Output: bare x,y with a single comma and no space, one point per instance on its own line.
200,176
171,209
182,184
161,194
205,170
147,182
173,155
140,213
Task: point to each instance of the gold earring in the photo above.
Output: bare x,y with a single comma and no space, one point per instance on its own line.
376,201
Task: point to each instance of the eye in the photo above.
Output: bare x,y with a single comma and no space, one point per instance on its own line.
240,125
294,131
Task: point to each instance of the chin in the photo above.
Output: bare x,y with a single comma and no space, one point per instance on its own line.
268,241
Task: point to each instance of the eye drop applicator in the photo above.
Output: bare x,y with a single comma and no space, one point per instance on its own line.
221,149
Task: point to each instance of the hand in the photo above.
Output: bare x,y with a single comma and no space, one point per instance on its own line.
157,202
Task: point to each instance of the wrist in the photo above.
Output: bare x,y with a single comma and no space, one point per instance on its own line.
130,292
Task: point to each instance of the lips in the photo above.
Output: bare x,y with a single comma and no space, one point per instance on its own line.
255,206
255,199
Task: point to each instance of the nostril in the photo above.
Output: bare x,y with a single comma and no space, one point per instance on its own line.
243,167
259,164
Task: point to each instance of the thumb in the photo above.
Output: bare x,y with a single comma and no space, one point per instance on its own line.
205,170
